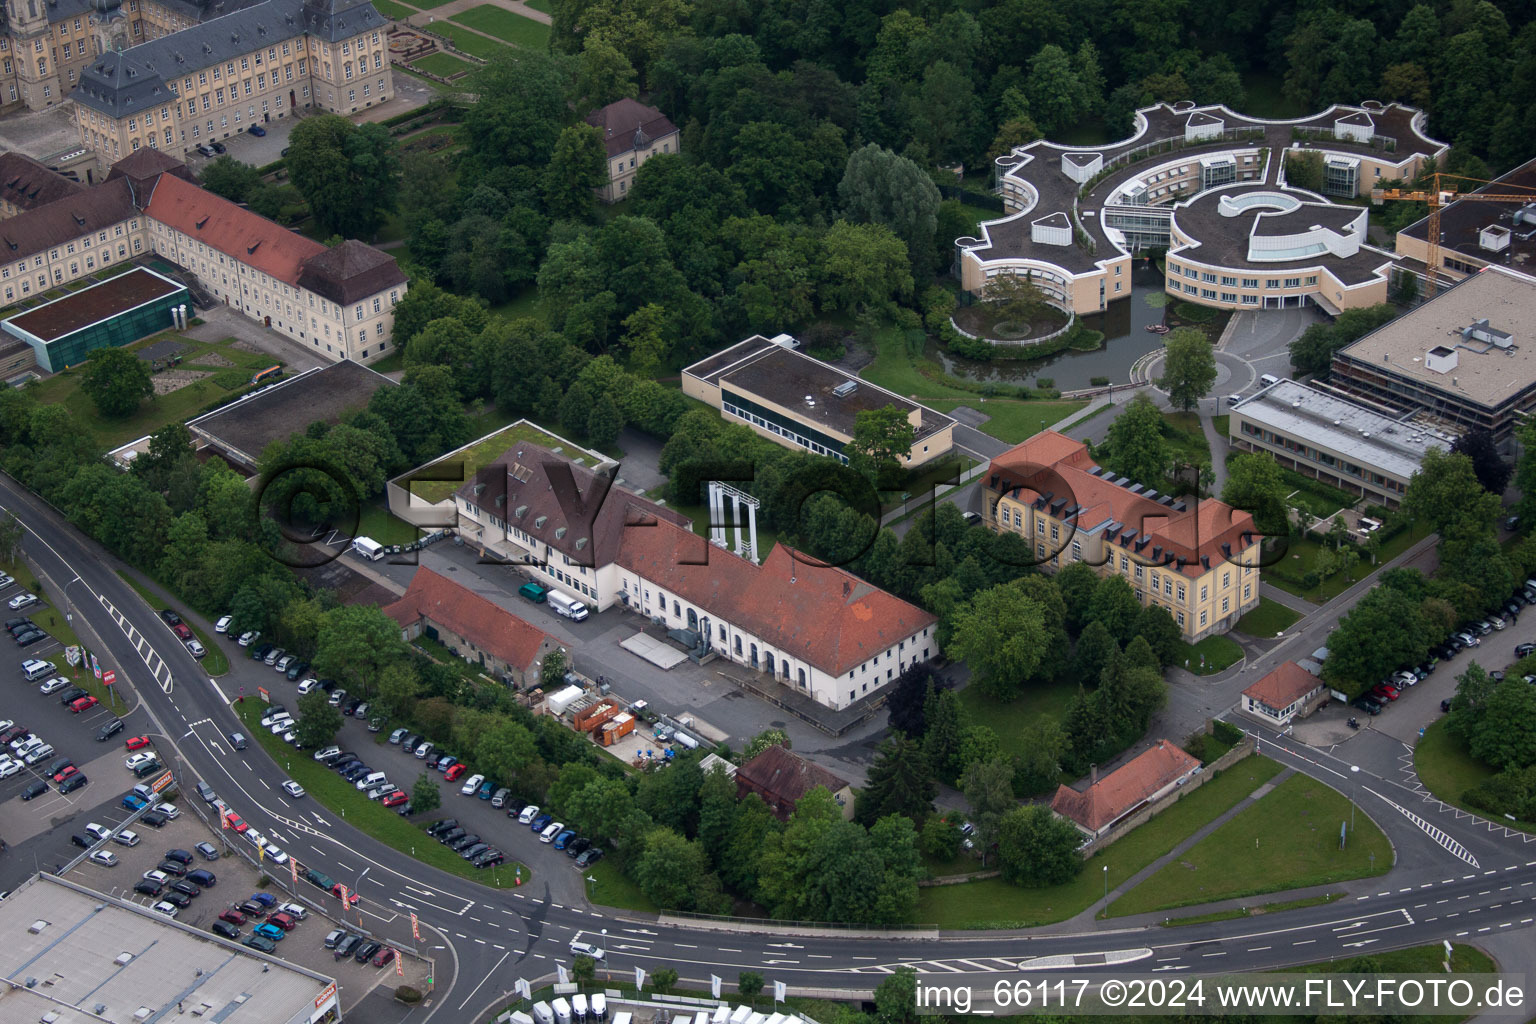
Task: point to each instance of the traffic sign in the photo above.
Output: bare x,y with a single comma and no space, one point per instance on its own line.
108,677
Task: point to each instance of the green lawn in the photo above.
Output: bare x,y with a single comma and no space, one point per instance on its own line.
390,363
1222,424
1220,653
1009,718
1299,556
483,451
1012,419
525,303
613,888
180,405
376,523
993,903
1448,771
1416,960
896,369
1186,441
215,663
1269,618
444,64
341,797
428,5
503,24
1288,839
468,42
398,12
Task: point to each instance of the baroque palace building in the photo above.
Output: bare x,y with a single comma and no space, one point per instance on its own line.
169,74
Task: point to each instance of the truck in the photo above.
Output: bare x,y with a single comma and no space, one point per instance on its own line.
367,548
590,718
567,606
616,729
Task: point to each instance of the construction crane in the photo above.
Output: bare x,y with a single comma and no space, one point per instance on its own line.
1441,194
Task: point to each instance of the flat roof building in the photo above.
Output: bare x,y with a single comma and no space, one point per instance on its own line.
114,312
1322,433
1482,232
243,429
1466,358
802,402
70,955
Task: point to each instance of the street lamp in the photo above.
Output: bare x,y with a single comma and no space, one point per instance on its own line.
1106,890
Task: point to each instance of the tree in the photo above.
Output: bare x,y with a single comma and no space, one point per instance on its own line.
899,783
1381,632
1115,605
1156,626
1506,737
673,872
896,997
1057,98
426,796
1489,466
941,742
355,643
940,838
879,187
504,750
881,438
988,788
584,970
908,698
1313,351
1189,367
577,167
603,75
1041,746
318,721
749,984
1445,492
11,532
116,380
663,978
1304,170
1001,633
1255,485
520,110
1136,445
762,741
1038,849
225,176
1094,648
864,267
348,174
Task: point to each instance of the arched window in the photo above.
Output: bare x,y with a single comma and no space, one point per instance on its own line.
802,678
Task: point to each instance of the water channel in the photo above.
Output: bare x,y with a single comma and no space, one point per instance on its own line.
1126,339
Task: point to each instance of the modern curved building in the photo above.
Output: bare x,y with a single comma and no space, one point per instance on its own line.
1207,184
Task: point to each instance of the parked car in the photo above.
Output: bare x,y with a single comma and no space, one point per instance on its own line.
471,784
109,730
296,669
222,626
224,930
145,887
22,601
165,907
180,900
454,772
203,877
126,837
271,931
486,789
207,851
233,916
395,799
500,799
257,130
437,828
106,858
34,789
398,735
260,943
54,685
589,857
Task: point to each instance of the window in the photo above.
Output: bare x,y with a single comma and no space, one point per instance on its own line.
1229,282
1293,282
1208,277
1250,282
1229,296
1271,283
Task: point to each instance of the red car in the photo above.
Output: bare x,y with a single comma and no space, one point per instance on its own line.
232,916
456,771
284,921
236,822
83,704
135,742
1384,693
66,773
182,632
385,957
351,896
395,799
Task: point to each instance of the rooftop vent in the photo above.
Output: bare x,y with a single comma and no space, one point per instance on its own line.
559,532
810,401
36,927
1480,331
200,223
123,959
846,388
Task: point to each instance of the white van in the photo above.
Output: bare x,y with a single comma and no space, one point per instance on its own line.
368,548
35,670
579,1008
542,1014
371,780
562,1010
1268,379
567,606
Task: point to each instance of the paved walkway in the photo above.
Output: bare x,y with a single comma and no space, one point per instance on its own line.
1090,916
1285,597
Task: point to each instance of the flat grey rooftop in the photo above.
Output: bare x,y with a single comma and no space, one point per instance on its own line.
1484,374
1346,428
82,949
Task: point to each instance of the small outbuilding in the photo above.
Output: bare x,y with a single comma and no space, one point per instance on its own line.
1287,693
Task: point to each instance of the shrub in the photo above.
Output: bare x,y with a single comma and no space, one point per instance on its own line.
1227,733
1311,581
1046,383
407,994
1099,382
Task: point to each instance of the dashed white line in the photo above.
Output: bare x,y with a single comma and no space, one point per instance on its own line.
1258,949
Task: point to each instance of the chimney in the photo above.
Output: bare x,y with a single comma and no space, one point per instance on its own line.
1093,775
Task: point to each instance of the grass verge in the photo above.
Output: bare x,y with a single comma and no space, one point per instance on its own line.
1445,767
504,24
1269,618
1012,419
612,888
1215,653
993,903
1249,855
341,797
1084,419
1263,908
215,663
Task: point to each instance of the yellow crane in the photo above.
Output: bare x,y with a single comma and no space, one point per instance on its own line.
1442,193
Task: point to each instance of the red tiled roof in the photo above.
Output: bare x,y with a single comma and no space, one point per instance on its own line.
1288,683
487,625
782,776
1124,789
821,615
215,221
1054,463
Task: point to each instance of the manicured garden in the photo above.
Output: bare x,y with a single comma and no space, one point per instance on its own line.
341,797
504,24
445,65
466,41
1288,839
1289,571
993,903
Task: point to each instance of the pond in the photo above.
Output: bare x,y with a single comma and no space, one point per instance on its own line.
1126,339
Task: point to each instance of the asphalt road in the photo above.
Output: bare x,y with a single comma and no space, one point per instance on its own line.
485,939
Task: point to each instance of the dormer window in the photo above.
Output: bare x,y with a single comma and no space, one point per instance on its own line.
559,533
520,511
538,524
